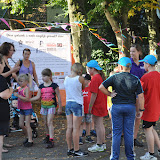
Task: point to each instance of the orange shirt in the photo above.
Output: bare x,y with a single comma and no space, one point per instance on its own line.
151,86
99,107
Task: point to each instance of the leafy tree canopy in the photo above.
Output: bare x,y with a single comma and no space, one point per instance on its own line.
18,7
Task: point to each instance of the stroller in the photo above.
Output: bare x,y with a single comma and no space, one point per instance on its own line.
15,114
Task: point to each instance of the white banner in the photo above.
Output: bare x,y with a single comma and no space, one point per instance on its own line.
48,50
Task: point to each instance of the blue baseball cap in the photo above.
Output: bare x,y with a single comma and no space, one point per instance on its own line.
125,61
149,59
94,64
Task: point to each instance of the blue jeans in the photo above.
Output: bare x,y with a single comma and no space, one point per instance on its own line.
123,116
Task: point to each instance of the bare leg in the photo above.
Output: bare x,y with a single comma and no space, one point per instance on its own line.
69,131
137,122
156,138
21,124
50,125
98,121
45,124
136,127
150,139
1,146
28,128
80,130
88,128
92,124
76,127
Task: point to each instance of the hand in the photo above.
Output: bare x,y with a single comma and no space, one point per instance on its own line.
139,114
15,68
59,110
113,93
16,94
89,110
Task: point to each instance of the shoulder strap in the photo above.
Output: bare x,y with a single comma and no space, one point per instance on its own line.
20,62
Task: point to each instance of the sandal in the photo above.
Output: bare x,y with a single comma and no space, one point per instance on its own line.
7,145
4,150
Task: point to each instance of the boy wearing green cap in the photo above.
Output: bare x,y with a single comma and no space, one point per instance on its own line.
126,87
151,86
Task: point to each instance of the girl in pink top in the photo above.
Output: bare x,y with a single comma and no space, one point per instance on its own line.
25,107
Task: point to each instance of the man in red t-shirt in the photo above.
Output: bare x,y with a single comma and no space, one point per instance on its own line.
151,86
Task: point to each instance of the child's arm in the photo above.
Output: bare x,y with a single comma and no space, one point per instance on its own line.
26,93
140,105
59,100
107,92
36,97
92,100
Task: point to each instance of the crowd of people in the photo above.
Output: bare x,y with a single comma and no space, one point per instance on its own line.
134,96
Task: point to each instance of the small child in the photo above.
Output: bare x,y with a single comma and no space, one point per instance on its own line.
48,91
87,118
25,108
16,112
151,86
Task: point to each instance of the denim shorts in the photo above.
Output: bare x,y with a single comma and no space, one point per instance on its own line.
87,118
74,108
26,112
46,111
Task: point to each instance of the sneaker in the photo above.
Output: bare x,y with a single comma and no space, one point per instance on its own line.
28,144
104,146
80,154
93,133
80,141
25,141
89,139
50,144
70,152
137,143
96,148
147,156
84,133
46,139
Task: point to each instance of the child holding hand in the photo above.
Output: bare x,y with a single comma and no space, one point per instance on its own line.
48,91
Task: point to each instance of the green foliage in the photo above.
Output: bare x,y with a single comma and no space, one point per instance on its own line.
104,58
62,3
18,7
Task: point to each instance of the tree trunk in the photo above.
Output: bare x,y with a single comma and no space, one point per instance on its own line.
123,45
154,34
151,17
80,34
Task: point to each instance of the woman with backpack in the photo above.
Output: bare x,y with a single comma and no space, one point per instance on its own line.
27,66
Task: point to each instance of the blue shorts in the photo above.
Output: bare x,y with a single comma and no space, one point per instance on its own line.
26,112
74,108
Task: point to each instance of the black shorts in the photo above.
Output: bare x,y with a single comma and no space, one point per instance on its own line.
147,124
